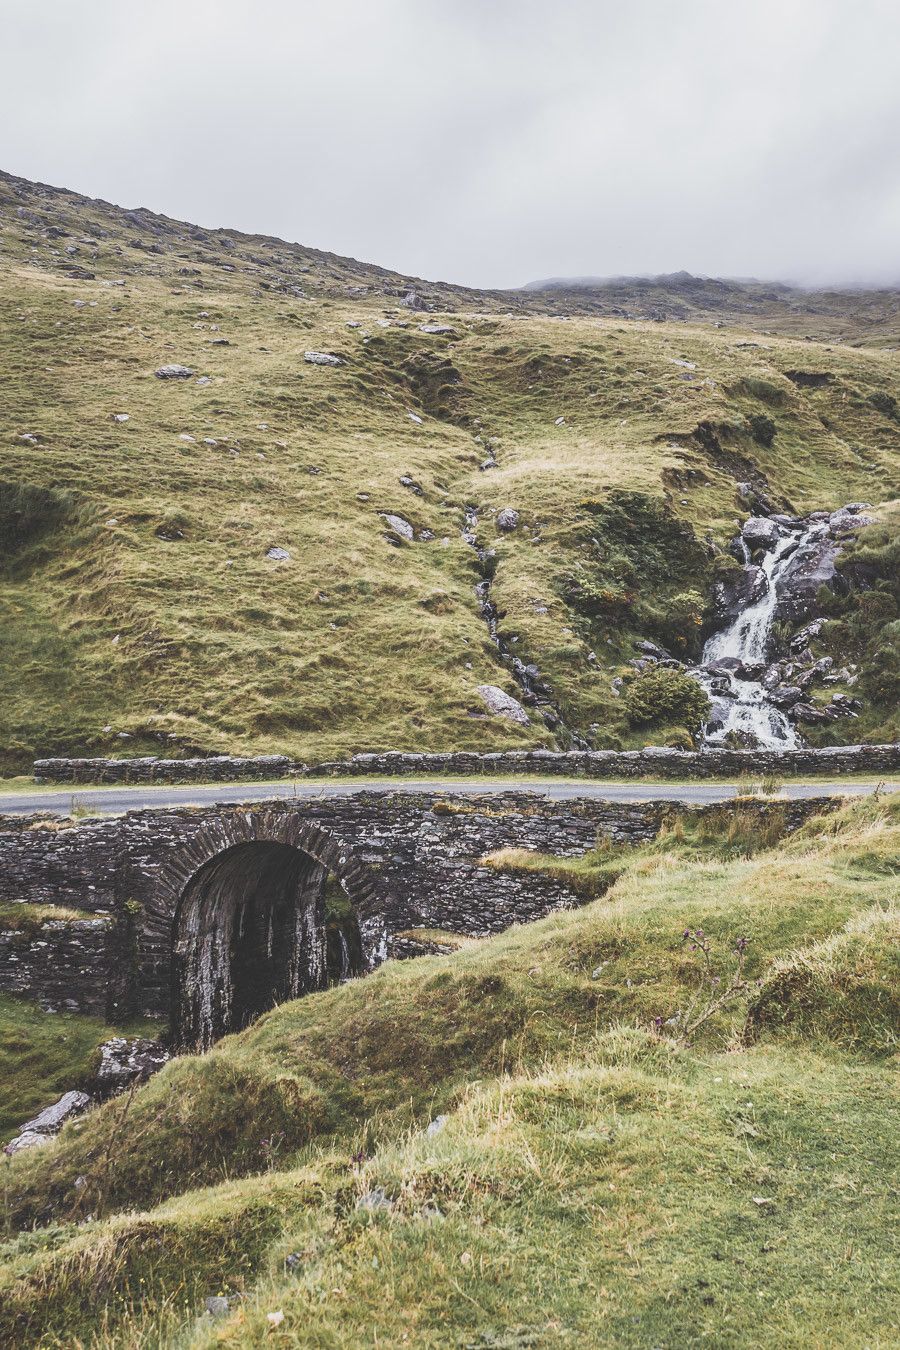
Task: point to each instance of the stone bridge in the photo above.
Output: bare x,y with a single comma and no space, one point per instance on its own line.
208,916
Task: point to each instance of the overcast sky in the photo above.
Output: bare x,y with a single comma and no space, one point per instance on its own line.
488,142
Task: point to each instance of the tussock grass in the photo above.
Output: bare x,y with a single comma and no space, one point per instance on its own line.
141,614
592,1177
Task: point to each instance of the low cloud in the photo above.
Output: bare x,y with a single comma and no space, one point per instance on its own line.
486,144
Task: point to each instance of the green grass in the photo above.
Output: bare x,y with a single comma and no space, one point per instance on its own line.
43,1055
140,613
600,1178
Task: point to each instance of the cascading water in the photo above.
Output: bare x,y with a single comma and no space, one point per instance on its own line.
744,705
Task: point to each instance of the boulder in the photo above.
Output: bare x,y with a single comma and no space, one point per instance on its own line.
807,712
400,527
323,359
760,532
41,1129
786,695
502,704
174,372
811,567
848,520
652,649
28,1139
278,555
52,1118
507,519
737,591
124,1061
806,635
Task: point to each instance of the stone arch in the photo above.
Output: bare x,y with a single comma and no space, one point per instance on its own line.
247,903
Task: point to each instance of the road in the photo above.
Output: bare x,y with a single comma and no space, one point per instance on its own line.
115,800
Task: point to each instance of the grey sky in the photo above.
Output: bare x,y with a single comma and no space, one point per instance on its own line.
486,143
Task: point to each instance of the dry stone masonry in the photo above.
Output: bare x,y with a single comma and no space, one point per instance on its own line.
651,762
207,916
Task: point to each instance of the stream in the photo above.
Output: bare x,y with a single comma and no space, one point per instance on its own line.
735,655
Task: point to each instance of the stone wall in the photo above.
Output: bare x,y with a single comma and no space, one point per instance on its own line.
63,965
406,860
652,762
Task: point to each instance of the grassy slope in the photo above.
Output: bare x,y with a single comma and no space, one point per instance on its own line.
43,1055
593,1180
199,641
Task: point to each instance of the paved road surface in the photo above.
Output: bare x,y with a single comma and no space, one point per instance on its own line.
114,800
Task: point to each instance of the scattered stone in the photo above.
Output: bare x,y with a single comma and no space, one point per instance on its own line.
186,436
217,1305
204,379
278,555
436,1125
174,372
323,359
502,704
407,482
121,417
414,417
507,518
688,365
436,329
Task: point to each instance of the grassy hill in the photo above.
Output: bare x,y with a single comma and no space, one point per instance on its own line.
139,608
577,1133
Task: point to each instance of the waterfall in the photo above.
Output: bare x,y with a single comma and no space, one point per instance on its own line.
746,706
345,957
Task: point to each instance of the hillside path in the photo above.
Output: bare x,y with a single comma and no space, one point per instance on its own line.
116,799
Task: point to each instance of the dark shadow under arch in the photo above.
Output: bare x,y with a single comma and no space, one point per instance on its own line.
249,932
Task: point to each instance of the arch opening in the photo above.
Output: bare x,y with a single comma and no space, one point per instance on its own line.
251,931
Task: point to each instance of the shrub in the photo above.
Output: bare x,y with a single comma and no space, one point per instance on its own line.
661,695
679,738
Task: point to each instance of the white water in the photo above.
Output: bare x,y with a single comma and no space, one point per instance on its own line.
750,709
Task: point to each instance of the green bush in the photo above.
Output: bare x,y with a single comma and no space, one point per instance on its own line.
641,568
661,696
